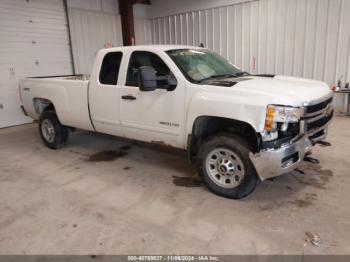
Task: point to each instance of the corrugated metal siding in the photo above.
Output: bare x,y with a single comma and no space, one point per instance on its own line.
33,42
104,6
90,32
143,31
305,38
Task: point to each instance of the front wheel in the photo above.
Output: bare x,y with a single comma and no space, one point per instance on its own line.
52,132
225,168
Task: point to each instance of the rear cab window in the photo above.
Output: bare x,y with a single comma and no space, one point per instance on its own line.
110,68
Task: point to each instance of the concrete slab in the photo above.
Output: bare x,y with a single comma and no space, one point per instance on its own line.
149,201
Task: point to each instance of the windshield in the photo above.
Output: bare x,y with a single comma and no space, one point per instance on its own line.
200,64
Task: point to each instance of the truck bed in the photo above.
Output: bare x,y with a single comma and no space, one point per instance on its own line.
64,77
67,93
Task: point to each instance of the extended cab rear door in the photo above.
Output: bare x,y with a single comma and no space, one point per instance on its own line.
104,93
153,116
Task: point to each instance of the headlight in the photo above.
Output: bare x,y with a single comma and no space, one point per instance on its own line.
281,114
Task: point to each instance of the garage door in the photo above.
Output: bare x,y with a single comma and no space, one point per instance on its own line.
33,42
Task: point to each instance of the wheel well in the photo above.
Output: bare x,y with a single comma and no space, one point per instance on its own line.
42,104
206,126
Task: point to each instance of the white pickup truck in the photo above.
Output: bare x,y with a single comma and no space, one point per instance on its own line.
236,127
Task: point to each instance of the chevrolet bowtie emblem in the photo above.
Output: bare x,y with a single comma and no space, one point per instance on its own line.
328,110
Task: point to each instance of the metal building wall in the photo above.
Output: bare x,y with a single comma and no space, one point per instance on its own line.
95,25
33,42
143,31
90,32
305,38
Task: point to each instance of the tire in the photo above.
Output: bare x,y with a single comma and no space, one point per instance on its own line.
52,132
224,166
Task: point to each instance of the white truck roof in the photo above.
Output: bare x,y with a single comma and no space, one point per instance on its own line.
150,47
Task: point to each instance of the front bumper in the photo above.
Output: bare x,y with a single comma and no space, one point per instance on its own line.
316,117
274,162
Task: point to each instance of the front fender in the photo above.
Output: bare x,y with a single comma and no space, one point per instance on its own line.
244,109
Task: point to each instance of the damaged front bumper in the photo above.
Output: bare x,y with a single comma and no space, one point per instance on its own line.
274,162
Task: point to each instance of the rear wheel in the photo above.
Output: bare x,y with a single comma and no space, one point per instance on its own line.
52,132
225,168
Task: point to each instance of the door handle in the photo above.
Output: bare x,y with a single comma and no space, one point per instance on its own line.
129,97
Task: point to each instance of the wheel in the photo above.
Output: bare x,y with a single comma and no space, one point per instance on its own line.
52,132
225,168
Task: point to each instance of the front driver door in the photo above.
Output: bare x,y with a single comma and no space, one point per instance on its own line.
152,116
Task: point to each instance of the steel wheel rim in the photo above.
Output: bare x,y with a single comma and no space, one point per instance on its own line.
48,130
224,168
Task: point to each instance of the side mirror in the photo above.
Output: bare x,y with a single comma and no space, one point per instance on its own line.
147,78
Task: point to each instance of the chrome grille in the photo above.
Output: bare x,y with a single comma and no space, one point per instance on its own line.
316,118
317,123
318,108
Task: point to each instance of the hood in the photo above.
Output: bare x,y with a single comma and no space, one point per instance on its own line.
282,90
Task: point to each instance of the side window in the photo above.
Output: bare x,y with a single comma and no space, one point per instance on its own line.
143,58
110,68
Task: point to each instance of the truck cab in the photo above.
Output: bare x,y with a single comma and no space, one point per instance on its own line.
151,115
237,128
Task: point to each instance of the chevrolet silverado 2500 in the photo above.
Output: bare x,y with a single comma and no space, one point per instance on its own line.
237,128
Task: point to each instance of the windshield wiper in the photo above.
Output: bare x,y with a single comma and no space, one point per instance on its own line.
242,74
217,76
224,76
